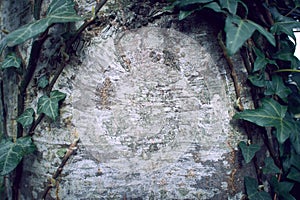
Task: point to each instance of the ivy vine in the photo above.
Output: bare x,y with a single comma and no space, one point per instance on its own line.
263,31
14,146
266,41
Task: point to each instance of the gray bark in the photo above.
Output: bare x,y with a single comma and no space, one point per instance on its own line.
153,109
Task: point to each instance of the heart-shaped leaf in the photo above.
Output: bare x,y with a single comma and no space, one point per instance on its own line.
230,5
270,167
252,190
282,188
11,60
11,153
261,61
294,174
59,11
239,30
276,86
295,138
43,82
258,79
49,105
248,151
26,119
214,6
270,114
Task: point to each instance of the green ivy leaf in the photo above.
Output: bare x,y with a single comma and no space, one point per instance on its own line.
270,37
239,30
295,138
49,105
261,61
270,114
282,188
287,56
62,11
183,3
252,190
184,14
294,175
11,153
270,167
295,160
11,60
57,95
26,32
59,11
258,79
285,27
248,151
214,6
283,24
294,104
230,5
276,86
26,119
43,82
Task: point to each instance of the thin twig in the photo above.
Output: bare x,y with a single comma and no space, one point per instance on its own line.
232,70
72,148
87,23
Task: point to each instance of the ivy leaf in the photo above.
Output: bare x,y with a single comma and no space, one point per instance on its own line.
57,95
183,3
270,37
294,103
294,175
270,114
237,32
214,6
261,61
282,188
11,153
248,151
258,79
283,24
49,105
26,119
43,82
295,138
11,60
276,86
184,14
252,190
59,11
295,160
230,5
285,27
26,32
287,56
270,167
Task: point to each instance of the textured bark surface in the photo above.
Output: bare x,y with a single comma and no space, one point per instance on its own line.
153,108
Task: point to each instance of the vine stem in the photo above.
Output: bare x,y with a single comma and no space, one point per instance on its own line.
232,70
68,48
72,148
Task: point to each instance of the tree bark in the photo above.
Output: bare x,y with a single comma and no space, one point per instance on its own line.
152,103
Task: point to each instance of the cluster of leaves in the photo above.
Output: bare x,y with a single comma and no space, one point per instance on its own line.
275,72
13,149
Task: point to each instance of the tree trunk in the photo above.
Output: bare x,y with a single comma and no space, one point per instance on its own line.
152,101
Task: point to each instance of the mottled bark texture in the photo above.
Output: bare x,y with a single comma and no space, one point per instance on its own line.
152,102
